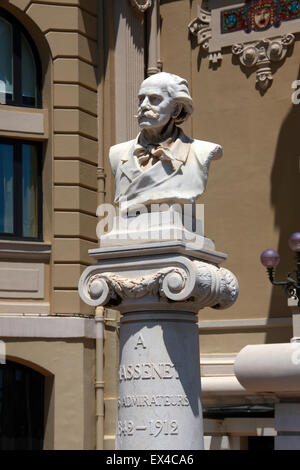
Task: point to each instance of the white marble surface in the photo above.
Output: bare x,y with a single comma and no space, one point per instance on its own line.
159,403
134,278
269,368
158,226
158,287
162,163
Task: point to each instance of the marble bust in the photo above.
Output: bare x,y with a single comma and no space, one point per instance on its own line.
162,164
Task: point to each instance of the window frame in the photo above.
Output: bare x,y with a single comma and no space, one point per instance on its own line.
18,190
17,30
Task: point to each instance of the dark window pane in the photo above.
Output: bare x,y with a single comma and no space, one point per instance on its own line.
20,189
21,408
30,190
6,62
6,188
261,443
28,75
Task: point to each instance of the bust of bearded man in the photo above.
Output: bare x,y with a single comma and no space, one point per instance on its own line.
162,164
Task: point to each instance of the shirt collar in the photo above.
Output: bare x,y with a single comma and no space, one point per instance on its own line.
176,143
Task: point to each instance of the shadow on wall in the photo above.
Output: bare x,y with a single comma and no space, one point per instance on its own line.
122,10
285,198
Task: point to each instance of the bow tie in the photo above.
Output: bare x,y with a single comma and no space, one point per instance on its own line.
144,154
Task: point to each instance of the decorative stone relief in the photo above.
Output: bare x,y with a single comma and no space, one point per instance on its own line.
141,5
259,15
216,287
258,31
200,27
261,54
159,283
203,283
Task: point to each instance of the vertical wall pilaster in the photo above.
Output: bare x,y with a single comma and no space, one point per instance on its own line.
129,67
153,20
71,32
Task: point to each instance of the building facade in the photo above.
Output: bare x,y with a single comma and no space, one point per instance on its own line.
69,77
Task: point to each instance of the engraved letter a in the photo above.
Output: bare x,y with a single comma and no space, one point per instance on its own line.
140,342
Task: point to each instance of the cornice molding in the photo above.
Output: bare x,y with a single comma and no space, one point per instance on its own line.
19,250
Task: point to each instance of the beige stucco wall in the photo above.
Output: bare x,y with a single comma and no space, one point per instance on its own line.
252,193
65,35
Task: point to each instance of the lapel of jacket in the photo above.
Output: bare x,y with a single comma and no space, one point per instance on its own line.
129,165
143,180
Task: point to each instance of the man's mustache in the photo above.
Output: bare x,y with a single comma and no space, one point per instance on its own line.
148,113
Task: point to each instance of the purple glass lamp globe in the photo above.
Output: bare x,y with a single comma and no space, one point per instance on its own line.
294,241
269,258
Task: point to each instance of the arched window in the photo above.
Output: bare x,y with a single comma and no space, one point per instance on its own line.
21,407
20,78
20,160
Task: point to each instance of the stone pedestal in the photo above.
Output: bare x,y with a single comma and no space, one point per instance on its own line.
159,288
159,405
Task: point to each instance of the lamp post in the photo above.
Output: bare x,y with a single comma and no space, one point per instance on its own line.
270,259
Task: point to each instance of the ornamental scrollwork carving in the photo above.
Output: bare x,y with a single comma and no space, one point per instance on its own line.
229,289
204,285
200,27
267,26
162,283
215,287
141,5
261,54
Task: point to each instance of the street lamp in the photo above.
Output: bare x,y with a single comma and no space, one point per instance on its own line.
270,259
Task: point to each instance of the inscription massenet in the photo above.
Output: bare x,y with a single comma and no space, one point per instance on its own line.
154,400
147,370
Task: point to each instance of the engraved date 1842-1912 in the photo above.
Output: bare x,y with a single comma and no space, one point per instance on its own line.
155,427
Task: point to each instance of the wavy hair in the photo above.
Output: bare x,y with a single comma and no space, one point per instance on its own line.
177,89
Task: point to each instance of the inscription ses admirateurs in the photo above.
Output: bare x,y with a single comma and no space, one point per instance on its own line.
159,287
150,371
155,388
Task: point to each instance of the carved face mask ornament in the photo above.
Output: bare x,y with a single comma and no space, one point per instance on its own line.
262,14
262,18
